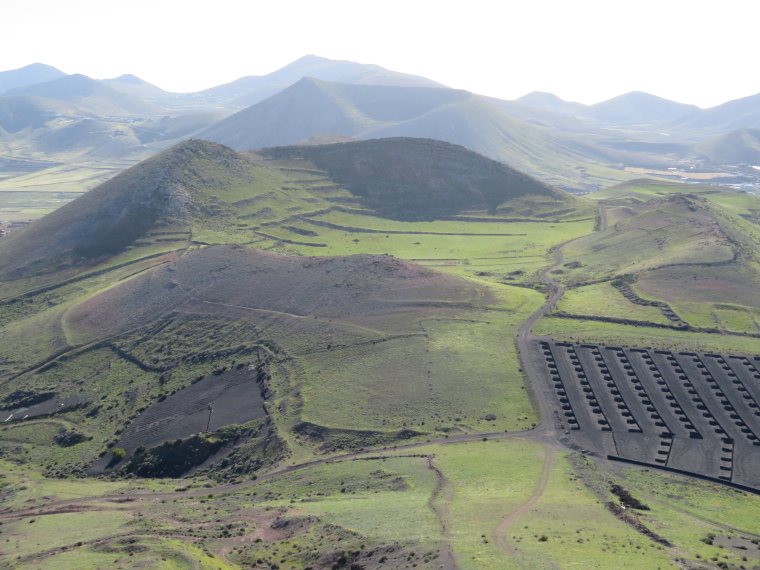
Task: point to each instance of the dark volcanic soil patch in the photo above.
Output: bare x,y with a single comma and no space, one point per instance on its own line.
693,413
49,406
215,402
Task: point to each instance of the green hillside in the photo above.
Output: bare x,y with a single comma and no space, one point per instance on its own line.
641,190
112,216
90,136
739,146
414,178
154,269
225,197
681,252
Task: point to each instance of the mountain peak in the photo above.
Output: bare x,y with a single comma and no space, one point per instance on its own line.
28,75
164,189
89,93
550,102
416,178
638,107
127,78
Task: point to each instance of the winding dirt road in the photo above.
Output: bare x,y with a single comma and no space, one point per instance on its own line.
546,431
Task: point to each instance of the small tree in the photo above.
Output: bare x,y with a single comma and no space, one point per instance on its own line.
118,454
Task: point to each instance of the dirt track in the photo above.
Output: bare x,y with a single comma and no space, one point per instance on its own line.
547,430
499,535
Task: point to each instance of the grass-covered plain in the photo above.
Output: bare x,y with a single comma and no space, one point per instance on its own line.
578,330
604,300
570,526
425,507
463,369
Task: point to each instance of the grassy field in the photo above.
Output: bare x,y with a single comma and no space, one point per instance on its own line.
31,195
417,509
687,512
737,202
737,318
604,300
16,206
577,330
690,175
489,480
570,527
449,379
462,248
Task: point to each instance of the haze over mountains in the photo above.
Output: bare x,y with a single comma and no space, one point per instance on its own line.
68,132
89,94
312,107
28,75
630,108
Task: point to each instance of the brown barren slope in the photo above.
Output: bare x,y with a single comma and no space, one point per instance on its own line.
241,278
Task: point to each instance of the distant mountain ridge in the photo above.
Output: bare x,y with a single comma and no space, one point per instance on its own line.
637,107
28,75
567,144
741,113
551,102
250,90
313,107
90,94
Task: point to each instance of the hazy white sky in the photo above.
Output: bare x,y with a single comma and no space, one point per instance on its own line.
698,51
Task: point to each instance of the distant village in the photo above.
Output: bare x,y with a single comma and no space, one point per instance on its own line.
7,227
744,177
